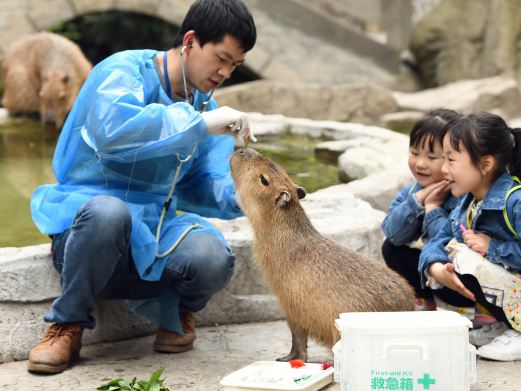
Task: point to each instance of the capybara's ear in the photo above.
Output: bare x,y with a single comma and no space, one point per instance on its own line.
301,192
283,199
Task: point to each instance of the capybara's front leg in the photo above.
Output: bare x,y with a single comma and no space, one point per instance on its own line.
299,345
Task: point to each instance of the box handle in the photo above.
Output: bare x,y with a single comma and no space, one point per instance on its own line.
416,347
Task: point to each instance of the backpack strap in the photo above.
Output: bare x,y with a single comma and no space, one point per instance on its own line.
505,214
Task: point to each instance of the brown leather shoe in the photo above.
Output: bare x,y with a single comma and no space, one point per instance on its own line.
56,349
171,342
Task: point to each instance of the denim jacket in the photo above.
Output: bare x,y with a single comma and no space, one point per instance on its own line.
407,221
503,249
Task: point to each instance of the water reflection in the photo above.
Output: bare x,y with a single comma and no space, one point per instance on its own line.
26,149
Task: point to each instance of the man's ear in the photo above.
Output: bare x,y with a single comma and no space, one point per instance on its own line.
301,192
488,164
283,199
188,39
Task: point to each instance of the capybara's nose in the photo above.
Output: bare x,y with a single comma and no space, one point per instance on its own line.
248,152
48,117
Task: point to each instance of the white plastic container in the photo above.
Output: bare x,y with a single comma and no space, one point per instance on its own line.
423,350
280,376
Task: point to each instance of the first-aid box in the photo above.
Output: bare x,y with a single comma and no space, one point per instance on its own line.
423,350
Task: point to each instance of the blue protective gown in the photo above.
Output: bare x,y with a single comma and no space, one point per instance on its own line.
122,138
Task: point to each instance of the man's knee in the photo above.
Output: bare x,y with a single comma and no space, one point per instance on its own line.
211,263
219,270
107,213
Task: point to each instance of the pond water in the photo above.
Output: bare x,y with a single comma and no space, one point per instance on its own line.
296,153
26,149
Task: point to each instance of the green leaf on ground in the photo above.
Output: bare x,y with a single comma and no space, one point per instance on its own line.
153,384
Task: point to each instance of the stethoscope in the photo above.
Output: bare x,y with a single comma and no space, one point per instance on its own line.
182,161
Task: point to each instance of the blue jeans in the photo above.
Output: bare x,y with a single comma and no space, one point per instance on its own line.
95,261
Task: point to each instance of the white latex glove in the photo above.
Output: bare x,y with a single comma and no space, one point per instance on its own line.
225,120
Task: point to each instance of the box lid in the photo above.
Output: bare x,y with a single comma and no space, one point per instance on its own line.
275,375
414,320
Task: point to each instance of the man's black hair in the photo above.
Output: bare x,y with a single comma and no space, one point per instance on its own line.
213,19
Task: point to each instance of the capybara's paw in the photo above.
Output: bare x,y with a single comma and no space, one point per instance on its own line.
293,356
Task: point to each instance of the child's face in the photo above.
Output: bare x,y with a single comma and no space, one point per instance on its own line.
424,164
459,170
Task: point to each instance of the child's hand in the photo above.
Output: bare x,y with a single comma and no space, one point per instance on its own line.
478,242
444,274
422,194
437,196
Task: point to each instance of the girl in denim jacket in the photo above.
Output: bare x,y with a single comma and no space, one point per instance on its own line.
481,156
422,207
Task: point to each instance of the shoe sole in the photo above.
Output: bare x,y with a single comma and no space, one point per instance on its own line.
46,368
172,349
499,358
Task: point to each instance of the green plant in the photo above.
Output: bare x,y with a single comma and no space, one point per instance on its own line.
153,384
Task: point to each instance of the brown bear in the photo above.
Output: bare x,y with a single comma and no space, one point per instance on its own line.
43,73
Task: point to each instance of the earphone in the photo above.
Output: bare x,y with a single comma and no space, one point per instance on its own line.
189,46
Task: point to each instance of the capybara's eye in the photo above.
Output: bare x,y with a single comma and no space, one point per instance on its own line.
264,181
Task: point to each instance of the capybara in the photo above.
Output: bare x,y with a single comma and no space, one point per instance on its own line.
314,278
43,73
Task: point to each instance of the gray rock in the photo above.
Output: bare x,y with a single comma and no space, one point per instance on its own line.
346,219
377,189
363,103
333,130
357,163
27,274
4,115
401,121
466,96
515,123
467,40
330,151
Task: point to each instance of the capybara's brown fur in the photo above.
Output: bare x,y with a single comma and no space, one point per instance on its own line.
314,278
43,73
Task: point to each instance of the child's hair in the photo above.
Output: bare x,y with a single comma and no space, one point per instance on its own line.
483,134
431,128
213,19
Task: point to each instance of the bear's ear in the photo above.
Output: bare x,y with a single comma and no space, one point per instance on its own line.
301,192
283,199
